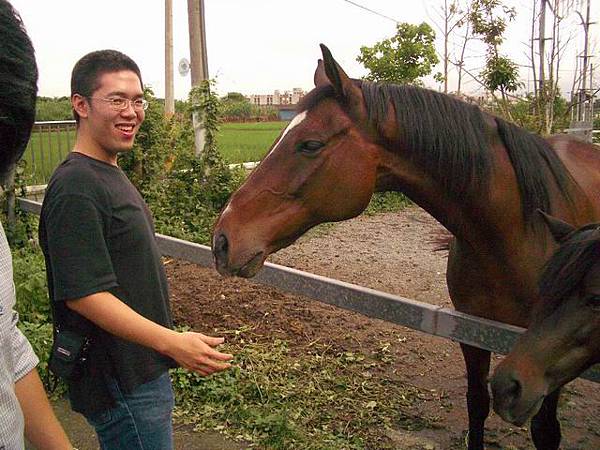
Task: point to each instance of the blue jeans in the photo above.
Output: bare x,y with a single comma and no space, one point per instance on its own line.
141,420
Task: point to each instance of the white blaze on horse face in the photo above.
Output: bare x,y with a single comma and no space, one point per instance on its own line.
295,121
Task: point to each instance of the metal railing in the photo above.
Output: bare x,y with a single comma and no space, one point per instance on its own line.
50,143
444,322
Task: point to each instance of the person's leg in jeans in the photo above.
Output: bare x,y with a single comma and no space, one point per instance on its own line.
141,419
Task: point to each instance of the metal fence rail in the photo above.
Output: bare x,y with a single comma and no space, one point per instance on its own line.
444,322
50,143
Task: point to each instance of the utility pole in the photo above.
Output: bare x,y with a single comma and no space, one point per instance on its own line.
586,28
198,57
169,91
198,63
582,119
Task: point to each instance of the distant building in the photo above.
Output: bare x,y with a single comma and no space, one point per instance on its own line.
277,98
284,102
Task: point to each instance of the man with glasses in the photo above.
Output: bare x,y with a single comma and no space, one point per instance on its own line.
24,407
105,276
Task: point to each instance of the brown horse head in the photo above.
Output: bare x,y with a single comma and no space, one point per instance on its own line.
564,339
351,138
306,178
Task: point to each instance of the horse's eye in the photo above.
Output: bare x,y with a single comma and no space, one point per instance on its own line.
310,147
594,302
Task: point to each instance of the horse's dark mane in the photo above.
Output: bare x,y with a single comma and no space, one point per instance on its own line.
451,139
568,266
428,122
311,99
18,86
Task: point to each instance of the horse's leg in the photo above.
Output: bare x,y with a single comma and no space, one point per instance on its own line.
478,397
545,427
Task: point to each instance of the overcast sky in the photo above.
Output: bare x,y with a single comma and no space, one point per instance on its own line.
254,46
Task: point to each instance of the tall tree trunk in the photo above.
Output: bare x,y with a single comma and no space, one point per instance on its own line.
446,19
531,48
542,43
461,62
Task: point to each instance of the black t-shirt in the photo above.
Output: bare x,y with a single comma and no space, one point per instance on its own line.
97,235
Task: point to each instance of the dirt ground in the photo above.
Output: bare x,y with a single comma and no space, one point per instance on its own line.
394,253
391,252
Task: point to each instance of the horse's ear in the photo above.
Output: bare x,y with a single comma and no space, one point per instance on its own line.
320,75
559,229
343,85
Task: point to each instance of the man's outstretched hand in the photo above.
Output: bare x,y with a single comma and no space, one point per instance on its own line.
197,352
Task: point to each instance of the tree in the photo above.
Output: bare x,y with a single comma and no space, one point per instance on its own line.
453,16
546,71
404,58
524,112
234,97
460,60
501,74
235,106
488,19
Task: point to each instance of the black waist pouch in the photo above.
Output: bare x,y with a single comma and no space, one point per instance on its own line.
69,354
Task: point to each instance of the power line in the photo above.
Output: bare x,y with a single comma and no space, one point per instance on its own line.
371,11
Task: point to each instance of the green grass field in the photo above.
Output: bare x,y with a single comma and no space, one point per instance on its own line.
242,142
44,152
238,142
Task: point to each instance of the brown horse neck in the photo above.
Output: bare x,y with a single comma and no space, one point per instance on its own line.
478,219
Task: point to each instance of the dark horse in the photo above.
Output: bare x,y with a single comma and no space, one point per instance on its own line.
564,338
481,177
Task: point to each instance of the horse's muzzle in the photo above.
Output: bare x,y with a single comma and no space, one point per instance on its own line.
246,267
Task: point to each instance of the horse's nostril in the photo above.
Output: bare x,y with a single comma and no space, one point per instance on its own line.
221,245
514,388
506,388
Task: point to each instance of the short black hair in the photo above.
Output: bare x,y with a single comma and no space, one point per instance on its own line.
88,70
18,87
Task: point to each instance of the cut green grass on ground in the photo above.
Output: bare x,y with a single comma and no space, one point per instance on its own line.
315,399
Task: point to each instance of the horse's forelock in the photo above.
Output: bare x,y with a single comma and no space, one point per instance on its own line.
320,93
569,265
311,99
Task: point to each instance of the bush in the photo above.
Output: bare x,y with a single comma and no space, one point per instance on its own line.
29,269
39,336
187,202
234,107
237,111
33,304
53,108
29,274
145,163
524,113
185,193
387,202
